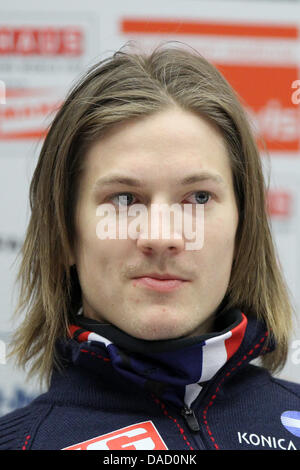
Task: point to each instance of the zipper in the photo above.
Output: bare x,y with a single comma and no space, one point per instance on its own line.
191,419
194,426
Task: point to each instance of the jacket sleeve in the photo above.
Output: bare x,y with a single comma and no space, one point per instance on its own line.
11,428
18,428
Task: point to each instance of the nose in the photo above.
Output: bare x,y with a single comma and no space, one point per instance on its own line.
159,246
162,236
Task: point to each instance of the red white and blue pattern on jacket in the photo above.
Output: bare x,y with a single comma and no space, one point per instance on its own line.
175,375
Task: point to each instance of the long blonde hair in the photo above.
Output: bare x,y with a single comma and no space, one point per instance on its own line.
121,87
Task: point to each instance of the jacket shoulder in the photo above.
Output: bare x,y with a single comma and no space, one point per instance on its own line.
18,427
288,386
11,428
279,385
263,384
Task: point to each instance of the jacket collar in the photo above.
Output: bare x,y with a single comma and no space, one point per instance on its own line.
174,370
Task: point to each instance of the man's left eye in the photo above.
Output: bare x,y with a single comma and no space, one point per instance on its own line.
202,197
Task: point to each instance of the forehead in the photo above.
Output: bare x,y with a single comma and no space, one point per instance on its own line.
160,146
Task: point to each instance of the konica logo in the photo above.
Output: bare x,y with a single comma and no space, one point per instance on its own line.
261,441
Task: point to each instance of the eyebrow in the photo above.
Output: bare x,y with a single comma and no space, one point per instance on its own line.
129,181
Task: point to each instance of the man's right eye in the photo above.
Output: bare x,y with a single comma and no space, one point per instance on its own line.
123,199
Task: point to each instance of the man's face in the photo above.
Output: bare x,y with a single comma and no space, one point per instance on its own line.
158,151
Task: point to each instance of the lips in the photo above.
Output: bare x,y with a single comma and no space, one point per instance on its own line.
165,276
160,283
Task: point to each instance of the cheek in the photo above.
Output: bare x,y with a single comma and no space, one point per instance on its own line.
216,256
219,236
101,257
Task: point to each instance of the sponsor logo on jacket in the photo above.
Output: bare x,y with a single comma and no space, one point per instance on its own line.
259,440
141,436
291,422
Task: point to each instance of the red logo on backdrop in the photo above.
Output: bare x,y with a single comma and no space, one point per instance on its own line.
269,102
24,115
264,88
67,40
141,436
279,203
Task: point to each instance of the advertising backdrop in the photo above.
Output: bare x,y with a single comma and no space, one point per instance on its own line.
44,49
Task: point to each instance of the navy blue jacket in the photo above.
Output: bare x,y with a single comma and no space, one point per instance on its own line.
119,392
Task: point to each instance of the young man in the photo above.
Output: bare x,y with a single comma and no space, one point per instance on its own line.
146,340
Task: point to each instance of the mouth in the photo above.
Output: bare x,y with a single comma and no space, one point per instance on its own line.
159,283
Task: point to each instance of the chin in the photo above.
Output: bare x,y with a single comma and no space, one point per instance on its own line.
159,322
158,331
